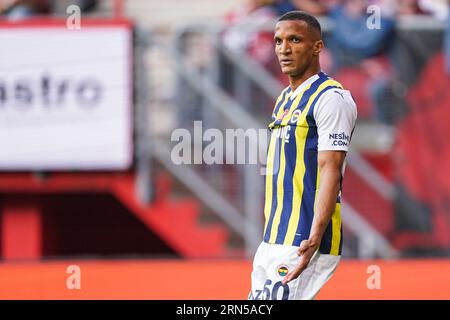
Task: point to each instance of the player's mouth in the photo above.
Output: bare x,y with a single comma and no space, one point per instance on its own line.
286,62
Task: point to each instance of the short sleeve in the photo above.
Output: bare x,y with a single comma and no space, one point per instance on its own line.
335,115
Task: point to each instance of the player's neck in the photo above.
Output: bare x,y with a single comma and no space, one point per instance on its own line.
297,80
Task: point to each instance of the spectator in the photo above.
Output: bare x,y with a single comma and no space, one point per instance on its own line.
402,8
315,7
283,6
359,59
351,35
437,8
389,92
440,9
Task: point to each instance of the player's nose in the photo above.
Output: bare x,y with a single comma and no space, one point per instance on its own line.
285,48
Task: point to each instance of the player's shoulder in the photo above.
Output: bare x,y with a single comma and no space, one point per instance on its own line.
334,102
337,97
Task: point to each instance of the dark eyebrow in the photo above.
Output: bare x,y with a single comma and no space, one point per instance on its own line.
290,37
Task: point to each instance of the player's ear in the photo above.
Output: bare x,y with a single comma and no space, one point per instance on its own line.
318,46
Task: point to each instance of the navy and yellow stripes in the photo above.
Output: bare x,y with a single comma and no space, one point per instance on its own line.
292,176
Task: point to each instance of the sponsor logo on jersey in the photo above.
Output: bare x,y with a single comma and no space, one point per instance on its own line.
339,93
283,133
339,139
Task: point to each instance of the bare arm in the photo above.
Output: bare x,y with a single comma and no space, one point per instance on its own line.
330,165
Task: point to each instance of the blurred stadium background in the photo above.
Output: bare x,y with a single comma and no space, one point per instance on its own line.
86,121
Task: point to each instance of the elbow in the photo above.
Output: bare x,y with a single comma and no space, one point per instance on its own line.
331,162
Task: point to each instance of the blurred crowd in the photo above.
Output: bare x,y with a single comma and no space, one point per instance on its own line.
359,49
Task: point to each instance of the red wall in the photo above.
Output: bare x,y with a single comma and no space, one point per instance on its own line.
212,279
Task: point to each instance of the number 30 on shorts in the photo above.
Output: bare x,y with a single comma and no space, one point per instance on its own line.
275,292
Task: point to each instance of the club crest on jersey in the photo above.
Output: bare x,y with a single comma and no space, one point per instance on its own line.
281,116
295,116
282,270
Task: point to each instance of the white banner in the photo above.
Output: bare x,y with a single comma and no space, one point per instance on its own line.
65,98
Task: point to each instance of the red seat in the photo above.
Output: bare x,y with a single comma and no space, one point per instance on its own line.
423,146
358,82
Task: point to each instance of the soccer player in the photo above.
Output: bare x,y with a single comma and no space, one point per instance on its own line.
312,125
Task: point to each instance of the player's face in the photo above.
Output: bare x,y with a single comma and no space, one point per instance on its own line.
295,46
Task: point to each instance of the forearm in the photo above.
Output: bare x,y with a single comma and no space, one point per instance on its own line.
330,176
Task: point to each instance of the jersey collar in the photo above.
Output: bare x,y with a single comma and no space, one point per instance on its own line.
304,84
